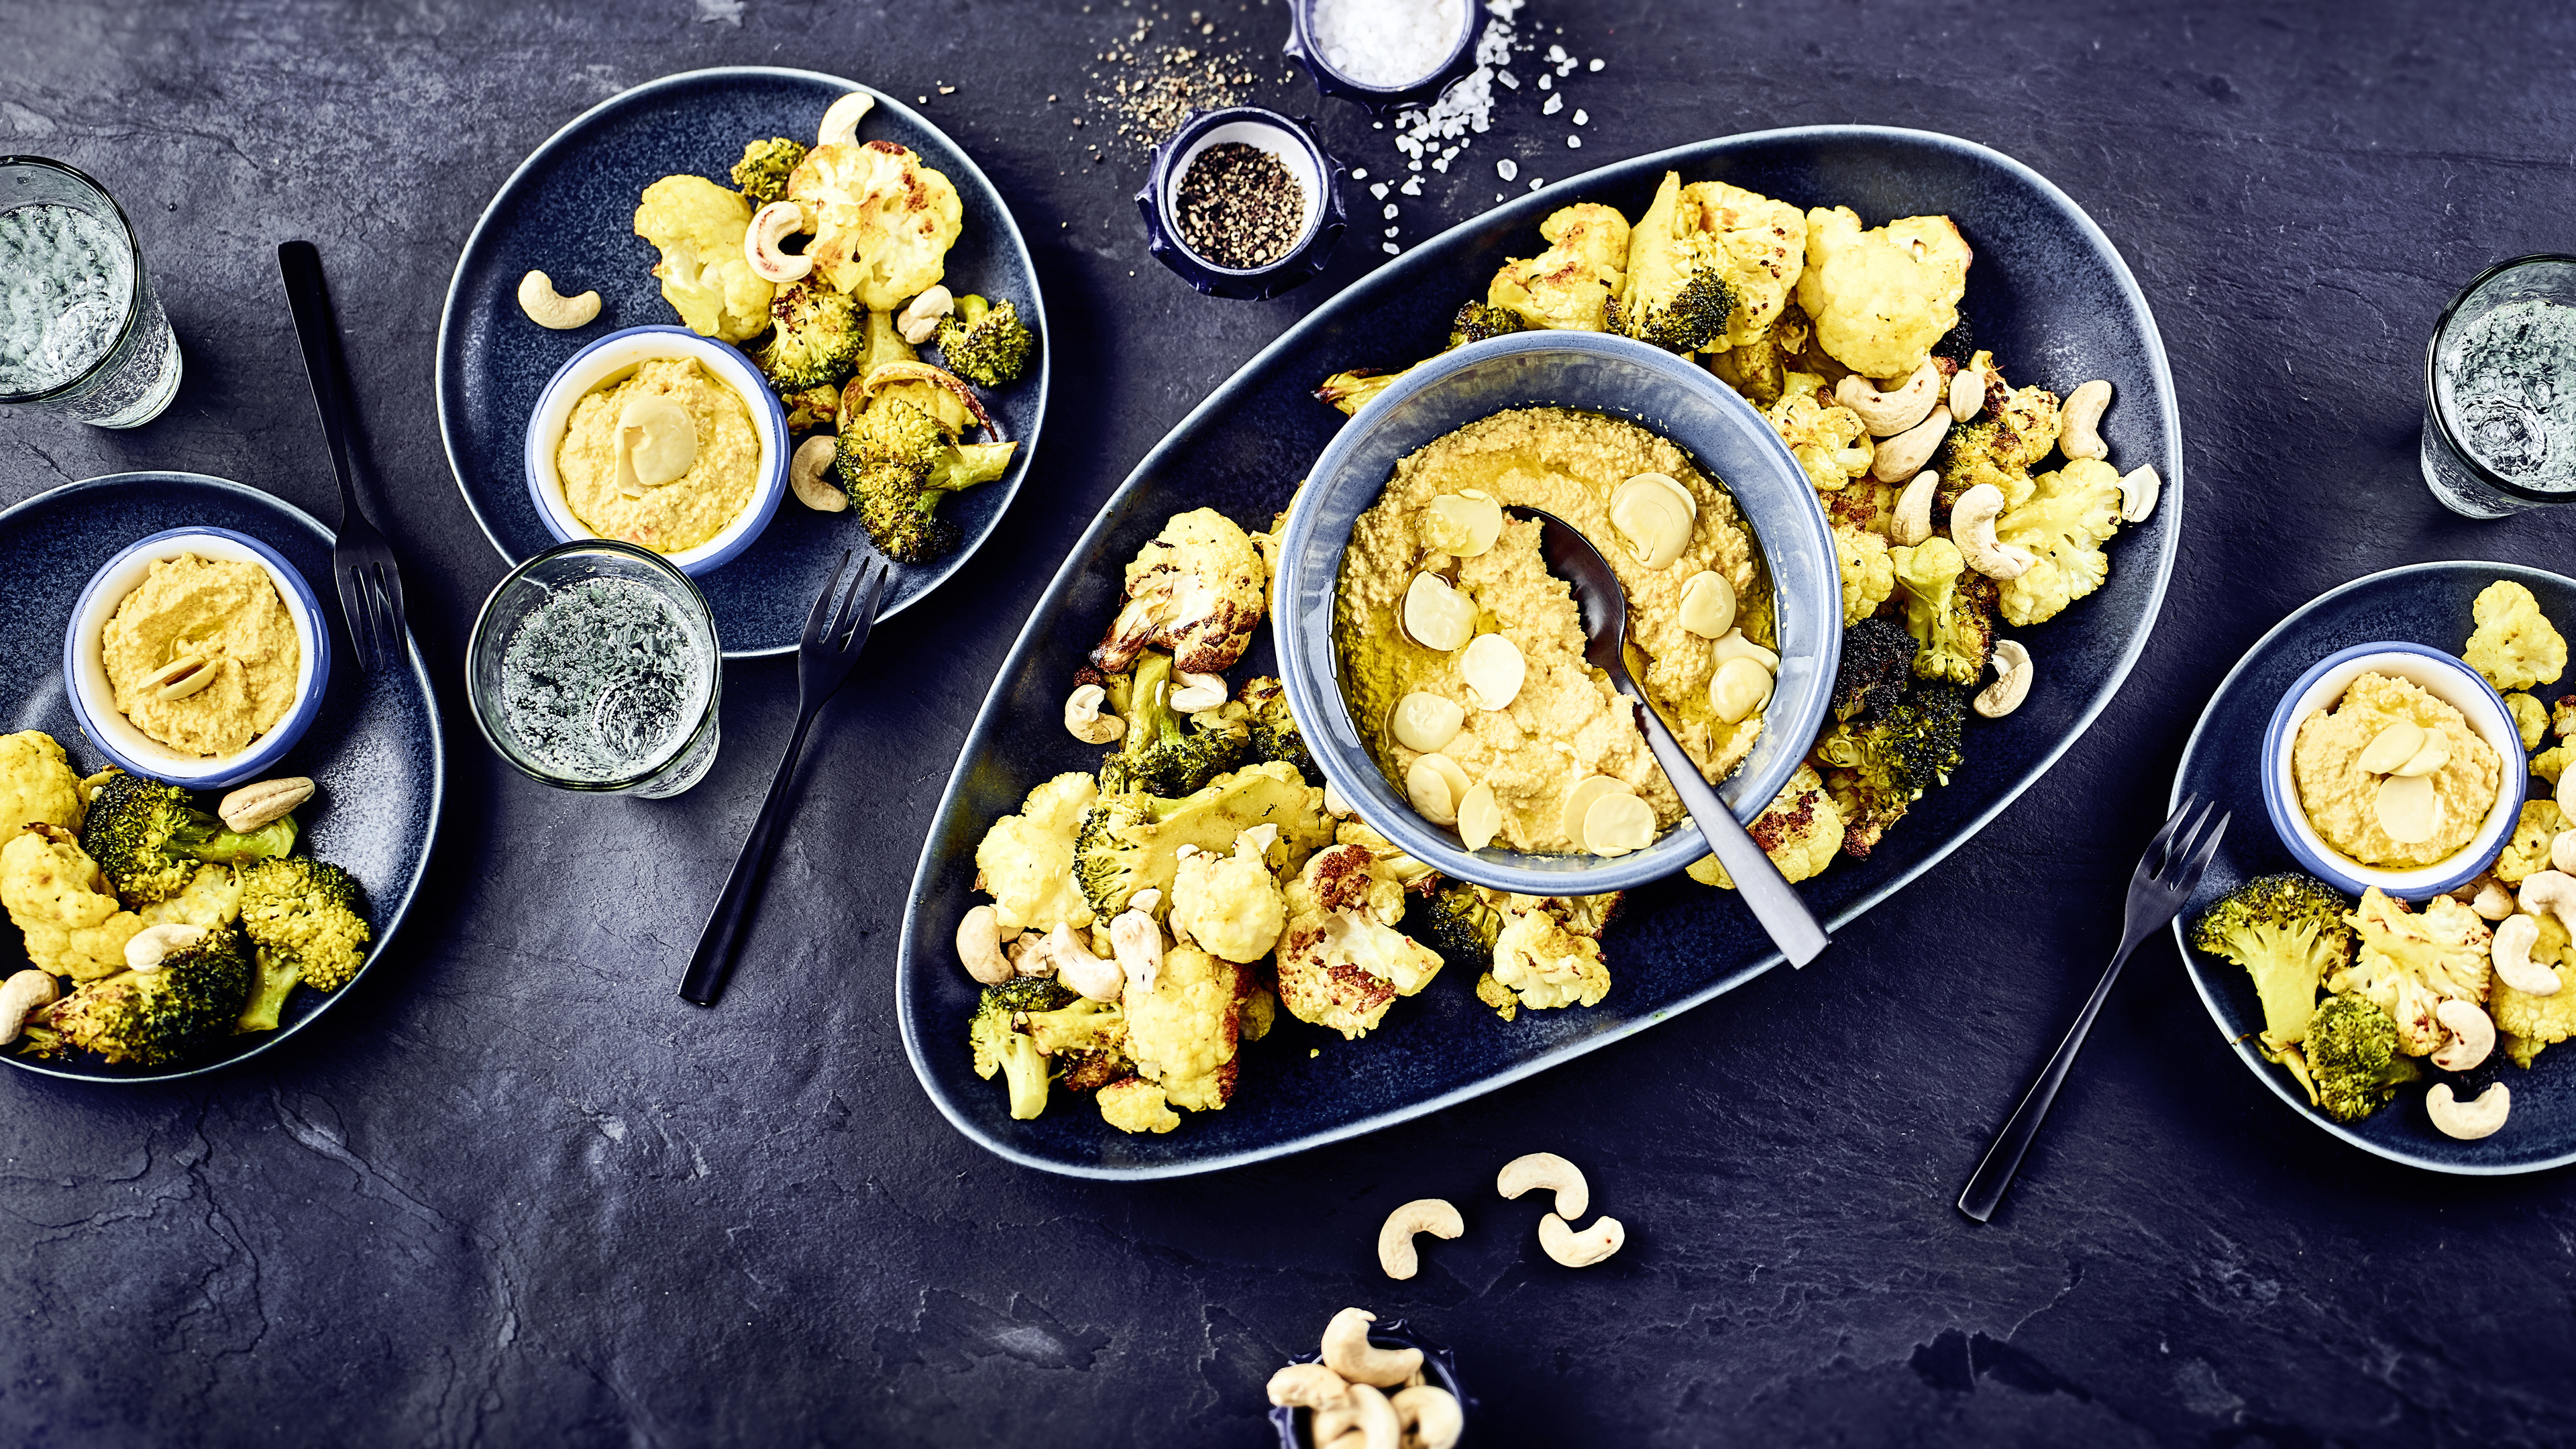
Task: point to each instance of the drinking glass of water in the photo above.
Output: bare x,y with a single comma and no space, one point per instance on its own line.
80,331
2500,391
594,666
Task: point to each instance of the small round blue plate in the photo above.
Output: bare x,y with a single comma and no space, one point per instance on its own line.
374,750
569,210
2428,604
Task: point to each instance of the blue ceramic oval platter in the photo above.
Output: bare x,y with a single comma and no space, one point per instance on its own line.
569,211
2426,604
2048,294
374,750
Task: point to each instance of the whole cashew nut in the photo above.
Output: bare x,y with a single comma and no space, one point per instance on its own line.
2492,901
1379,1427
2471,1120
1137,944
1084,720
1196,692
1905,454
253,806
918,322
1889,413
809,475
1308,1386
2078,429
551,309
1546,1169
1329,1425
2562,852
841,119
2138,490
1972,527
2510,954
22,996
771,225
1348,1352
2473,1035
1967,394
2013,673
2547,891
1430,1416
1422,1215
1914,509
149,947
1077,968
979,946
1583,1249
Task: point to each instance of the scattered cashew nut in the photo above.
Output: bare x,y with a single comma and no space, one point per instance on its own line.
1914,509
1196,692
1905,454
551,309
1583,1249
1889,413
918,322
1308,1386
979,946
2470,1120
1967,394
771,225
1077,968
2078,429
152,945
2013,673
1137,945
1430,1416
2492,901
2548,891
1972,527
841,119
2473,1035
1422,1215
253,806
1084,720
22,996
1348,1352
1546,1169
2139,488
809,475
2510,954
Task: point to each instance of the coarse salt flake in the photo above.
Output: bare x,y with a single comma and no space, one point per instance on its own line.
1507,168
1582,117
1554,105
1390,211
1387,43
1574,143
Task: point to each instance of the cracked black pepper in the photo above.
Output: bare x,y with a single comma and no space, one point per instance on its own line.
1239,206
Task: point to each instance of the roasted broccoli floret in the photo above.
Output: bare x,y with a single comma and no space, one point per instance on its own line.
306,920
152,1018
1876,768
761,174
2351,1057
896,462
1275,735
149,839
2288,932
985,343
1477,321
1131,841
817,337
1000,1046
1949,609
1877,667
1166,752
1460,921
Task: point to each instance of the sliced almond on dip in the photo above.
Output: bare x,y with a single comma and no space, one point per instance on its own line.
1494,669
1480,818
1733,645
181,677
2430,759
1436,784
1426,722
2391,748
2409,808
1464,523
1739,687
1579,800
1617,823
1655,514
1437,616
1708,605
657,442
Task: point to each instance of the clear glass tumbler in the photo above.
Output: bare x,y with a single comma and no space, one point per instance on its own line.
595,666
2500,391
80,331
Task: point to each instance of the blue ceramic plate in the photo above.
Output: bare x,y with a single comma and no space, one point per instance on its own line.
569,210
2048,294
374,749
2427,604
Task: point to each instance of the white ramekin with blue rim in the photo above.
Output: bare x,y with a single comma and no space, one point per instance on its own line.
601,363
2444,677
93,699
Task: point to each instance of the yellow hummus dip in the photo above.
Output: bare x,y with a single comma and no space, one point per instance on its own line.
2341,792
227,616
1565,723
719,453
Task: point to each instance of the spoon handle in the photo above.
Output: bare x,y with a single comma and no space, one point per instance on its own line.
1776,904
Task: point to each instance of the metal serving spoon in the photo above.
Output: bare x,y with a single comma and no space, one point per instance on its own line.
1775,904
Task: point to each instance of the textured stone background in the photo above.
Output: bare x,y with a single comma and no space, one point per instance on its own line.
520,1193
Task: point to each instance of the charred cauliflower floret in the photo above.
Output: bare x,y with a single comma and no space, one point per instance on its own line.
2550,764
1196,589
1570,284
2016,428
1869,576
2062,525
2528,850
1881,298
2408,964
1132,841
1025,862
1340,965
37,786
1540,964
882,222
1949,609
60,901
1183,1029
1136,1105
1825,437
2514,645
698,226
1764,244
1674,293
1230,905
1800,831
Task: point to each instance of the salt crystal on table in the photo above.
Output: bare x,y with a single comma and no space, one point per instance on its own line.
1582,118
1554,105
1391,248
1543,82
1507,168
1359,173
1390,211
1597,63
1378,190
1574,143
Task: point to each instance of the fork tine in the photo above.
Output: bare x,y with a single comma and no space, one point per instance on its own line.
2189,875
385,620
822,609
2182,846
877,578
2153,857
838,636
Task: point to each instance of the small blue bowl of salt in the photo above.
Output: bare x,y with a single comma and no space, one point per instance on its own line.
1384,54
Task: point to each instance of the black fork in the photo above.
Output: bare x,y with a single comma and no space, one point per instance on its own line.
834,634
2164,880
362,563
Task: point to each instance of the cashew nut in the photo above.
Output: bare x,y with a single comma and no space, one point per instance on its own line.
1138,946
551,309
1196,692
1076,967
2492,901
1583,1249
1546,1169
1379,1427
1348,1352
152,945
1430,1416
1308,1386
21,996
2562,852
2473,1035
253,806
2078,434
1905,454
1972,527
1029,955
1328,1426
2013,673
1889,413
1967,394
841,119
771,225
809,475
2471,1120
1914,509
2138,490
979,946
1334,804
918,322
1422,1215
2547,891
1084,720
2510,954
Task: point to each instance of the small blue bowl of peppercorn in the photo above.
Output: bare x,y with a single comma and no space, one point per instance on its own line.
1243,202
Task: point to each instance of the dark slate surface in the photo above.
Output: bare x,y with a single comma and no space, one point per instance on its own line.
520,1193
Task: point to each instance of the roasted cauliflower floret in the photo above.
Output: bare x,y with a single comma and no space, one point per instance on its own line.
1674,294
1182,1030
2530,718
2552,763
1544,965
37,786
1949,609
1571,283
1869,576
1881,298
1339,965
1826,438
1230,905
1025,862
2528,850
2016,428
1800,831
1764,243
2514,645
882,222
2061,525
1197,589
1136,1105
59,900
2408,964
705,277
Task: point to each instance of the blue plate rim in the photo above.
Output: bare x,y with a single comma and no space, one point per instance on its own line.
562,135
2277,1082
393,921
2169,516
